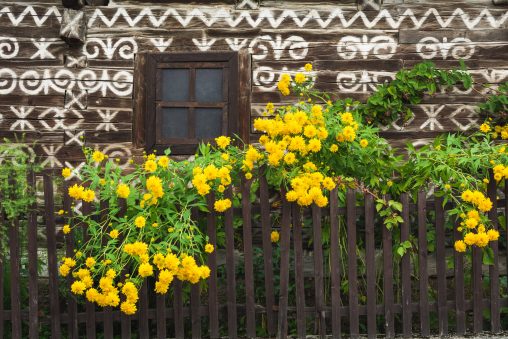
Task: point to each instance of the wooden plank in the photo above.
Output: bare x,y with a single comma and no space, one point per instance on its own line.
318,271
266,227
230,268
407,313
388,282
161,316
354,318
89,307
422,260
178,309
143,310
477,290
3,226
72,306
370,263
213,300
33,289
15,278
250,321
195,315
108,315
460,297
284,266
299,283
125,320
495,315
334,262
442,312
49,217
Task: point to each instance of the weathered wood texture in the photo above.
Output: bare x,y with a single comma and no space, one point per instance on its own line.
56,93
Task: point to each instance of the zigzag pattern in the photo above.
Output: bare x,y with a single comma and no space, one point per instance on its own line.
30,12
211,16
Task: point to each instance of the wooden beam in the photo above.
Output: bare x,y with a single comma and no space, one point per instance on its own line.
73,4
97,2
500,2
369,5
73,27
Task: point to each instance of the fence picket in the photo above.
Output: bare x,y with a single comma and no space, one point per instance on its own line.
14,247
407,313
354,324
72,306
441,268
266,227
335,258
285,238
388,282
143,310
125,320
49,216
89,307
2,268
477,290
213,300
422,262
161,316
299,283
250,314
318,271
495,315
178,309
230,268
460,313
107,313
370,263
195,314
33,289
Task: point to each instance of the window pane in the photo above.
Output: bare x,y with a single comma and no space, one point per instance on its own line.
208,122
174,123
209,84
175,84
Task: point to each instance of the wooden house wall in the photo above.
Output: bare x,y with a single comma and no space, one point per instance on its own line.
62,96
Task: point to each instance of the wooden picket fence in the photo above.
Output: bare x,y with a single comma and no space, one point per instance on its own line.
315,304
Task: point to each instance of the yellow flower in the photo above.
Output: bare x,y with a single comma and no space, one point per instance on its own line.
308,67
300,78
493,235
248,176
64,270
209,248
90,262
274,236
467,196
224,156
289,158
78,287
98,156
447,187
102,181
114,234
222,204
123,191
163,161
66,172
66,229
88,195
140,221
470,239
485,128
61,212
471,223
364,143
389,183
150,166
482,239
145,270
460,246
223,141
128,308
314,145
334,148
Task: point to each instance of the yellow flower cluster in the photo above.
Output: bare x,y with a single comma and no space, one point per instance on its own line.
501,131
123,191
284,83
78,192
204,179
500,172
308,188
477,199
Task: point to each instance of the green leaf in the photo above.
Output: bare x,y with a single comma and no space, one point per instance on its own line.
488,256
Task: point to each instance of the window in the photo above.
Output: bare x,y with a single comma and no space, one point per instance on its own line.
182,99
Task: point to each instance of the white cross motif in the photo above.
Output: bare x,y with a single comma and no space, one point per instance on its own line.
74,138
51,151
72,99
106,117
432,114
21,124
204,44
42,49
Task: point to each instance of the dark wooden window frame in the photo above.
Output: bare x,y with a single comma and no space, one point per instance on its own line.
236,120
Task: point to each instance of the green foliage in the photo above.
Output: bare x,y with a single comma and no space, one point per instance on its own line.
390,101
496,106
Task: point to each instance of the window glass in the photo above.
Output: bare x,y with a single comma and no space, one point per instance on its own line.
175,84
209,85
174,122
208,122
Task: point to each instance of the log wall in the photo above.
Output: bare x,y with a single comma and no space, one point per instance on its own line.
63,95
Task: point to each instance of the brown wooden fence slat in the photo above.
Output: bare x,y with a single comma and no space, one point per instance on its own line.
318,271
285,239
15,279
72,305
195,314
143,310
250,315
107,312
407,313
3,225
422,260
160,309
33,289
477,290
299,283
370,263
266,227
213,300
178,309
460,313
495,315
442,311
506,229
125,320
230,268
89,307
335,258
49,216
388,282
354,323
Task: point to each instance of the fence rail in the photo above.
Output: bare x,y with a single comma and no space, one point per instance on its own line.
260,289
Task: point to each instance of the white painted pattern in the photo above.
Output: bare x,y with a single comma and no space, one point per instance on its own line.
30,13
161,44
381,47
362,81
457,48
9,47
42,49
204,44
126,48
296,45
